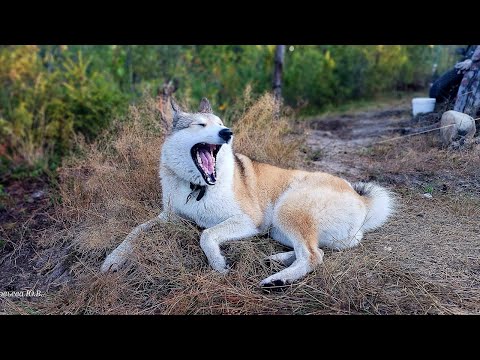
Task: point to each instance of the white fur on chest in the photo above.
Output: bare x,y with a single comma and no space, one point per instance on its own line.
217,205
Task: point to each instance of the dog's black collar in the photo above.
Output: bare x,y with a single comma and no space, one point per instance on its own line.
201,191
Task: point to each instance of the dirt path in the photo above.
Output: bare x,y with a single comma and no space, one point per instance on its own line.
432,240
335,140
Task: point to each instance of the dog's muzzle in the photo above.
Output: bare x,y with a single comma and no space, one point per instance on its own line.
225,134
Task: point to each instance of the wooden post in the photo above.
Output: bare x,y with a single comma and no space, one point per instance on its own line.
277,77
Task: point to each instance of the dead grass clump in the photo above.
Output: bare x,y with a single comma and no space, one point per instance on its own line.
265,138
421,157
113,184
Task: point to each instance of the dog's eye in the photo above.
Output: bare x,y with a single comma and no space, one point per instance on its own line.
202,125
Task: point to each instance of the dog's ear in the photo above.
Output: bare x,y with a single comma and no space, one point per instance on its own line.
175,107
205,106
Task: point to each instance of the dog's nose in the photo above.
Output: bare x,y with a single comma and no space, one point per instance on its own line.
225,134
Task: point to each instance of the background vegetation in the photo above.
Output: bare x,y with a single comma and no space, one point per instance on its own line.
50,95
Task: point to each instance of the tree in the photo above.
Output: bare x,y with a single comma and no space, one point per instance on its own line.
277,76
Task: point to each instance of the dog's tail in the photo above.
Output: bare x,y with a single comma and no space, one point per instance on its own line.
380,203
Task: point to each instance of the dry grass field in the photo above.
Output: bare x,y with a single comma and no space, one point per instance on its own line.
424,261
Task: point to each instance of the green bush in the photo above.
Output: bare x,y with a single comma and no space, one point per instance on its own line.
309,76
46,99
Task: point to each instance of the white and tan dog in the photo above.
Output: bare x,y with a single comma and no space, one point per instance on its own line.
234,197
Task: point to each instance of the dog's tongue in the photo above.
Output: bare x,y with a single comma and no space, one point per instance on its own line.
207,161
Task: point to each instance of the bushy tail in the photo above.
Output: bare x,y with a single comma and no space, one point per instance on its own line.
380,203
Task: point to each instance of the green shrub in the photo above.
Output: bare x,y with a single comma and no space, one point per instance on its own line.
46,99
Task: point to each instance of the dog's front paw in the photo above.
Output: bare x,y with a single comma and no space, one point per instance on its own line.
113,263
222,269
220,265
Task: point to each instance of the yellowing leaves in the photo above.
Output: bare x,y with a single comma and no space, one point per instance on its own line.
329,60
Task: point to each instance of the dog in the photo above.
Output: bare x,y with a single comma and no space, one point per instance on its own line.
234,197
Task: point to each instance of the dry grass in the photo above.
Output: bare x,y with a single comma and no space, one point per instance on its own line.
421,159
402,269
260,136
114,183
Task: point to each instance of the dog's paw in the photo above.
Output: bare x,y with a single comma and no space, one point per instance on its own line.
112,263
219,264
224,270
221,268
273,285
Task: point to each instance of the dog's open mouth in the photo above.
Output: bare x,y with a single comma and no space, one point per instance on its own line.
205,158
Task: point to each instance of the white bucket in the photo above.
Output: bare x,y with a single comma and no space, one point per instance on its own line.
423,105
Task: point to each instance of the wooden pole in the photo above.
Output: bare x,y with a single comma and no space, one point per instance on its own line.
277,78
277,72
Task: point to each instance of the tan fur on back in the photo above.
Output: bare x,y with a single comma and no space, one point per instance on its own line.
258,185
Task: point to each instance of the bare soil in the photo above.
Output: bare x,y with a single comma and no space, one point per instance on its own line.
26,214
334,141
